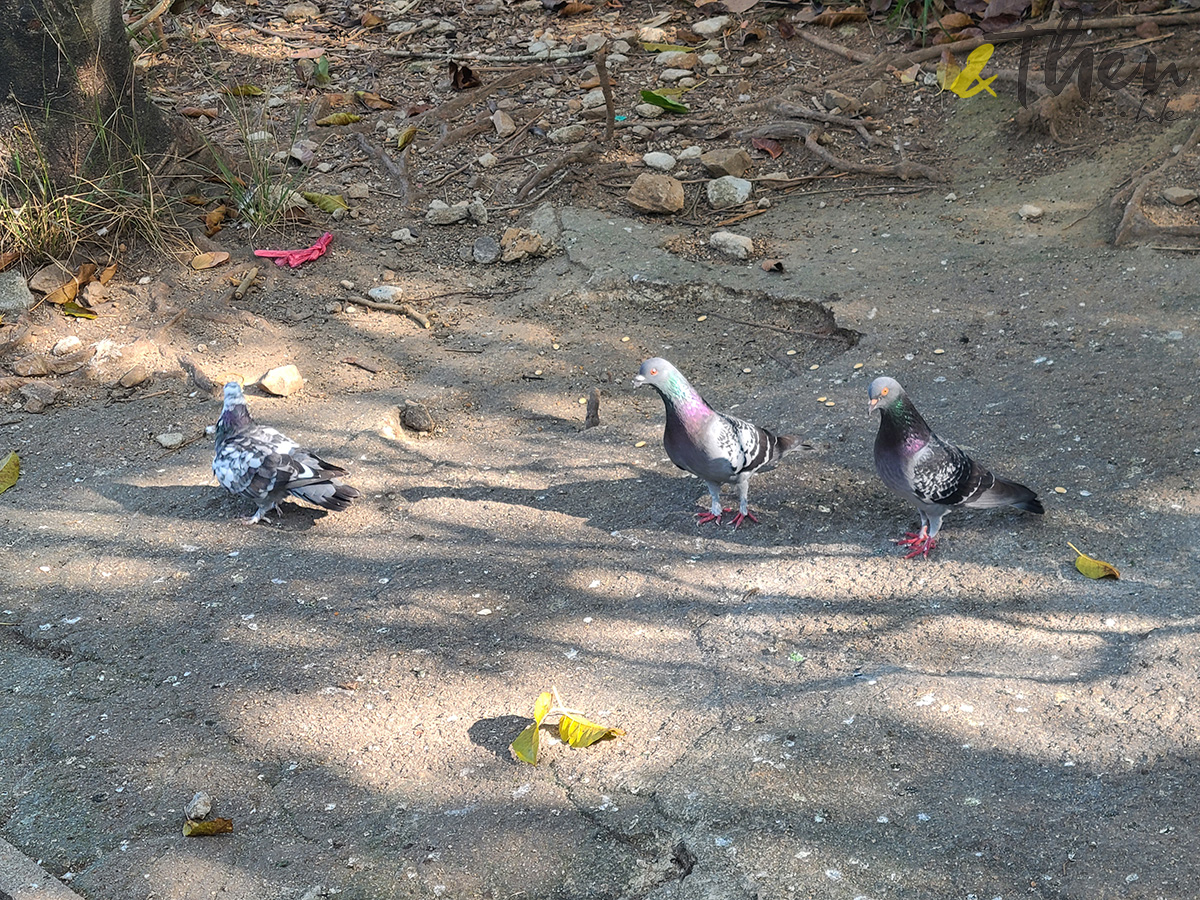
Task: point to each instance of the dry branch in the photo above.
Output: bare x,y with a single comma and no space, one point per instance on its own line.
1134,224
578,155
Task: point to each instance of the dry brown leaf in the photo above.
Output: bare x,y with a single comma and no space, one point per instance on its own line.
335,100
462,78
207,828
106,275
214,218
195,200
209,260
370,20
954,21
86,274
195,112
574,8
372,100
8,257
65,293
768,145
787,30
833,17
737,7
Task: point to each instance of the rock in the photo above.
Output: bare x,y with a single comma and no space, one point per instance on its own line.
66,345
708,58
294,12
656,193
518,243
134,376
282,381
503,123
488,160
441,214
592,99
199,806
544,221
477,211
1029,211
415,417
663,162
736,245
752,60
568,134
14,294
93,293
170,440
728,191
676,59
386,293
695,151
728,161
51,277
649,111
836,100
358,191
404,236
1179,196
38,395
652,35
708,28
486,250
669,75
31,365
874,92
37,364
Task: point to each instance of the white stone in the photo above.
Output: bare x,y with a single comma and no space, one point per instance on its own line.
404,236
282,381
676,59
66,345
728,191
1029,211
568,134
386,293
441,214
669,75
648,111
693,152
736,245
488,160
708,28
593,98
709,58
170,440
664,162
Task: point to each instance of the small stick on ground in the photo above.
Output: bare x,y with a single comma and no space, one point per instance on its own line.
1134,223
395,171
905,171
244,285
578,155
610,121
153,16
403,308
857,56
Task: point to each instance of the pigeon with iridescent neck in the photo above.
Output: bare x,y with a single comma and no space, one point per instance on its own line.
259,463
934,475
715,447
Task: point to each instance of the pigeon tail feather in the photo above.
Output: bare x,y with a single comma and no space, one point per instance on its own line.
1009,493
332,495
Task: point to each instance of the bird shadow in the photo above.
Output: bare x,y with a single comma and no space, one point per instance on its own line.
186,502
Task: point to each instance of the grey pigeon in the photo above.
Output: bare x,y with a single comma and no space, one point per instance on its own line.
717,448
931,473
259,463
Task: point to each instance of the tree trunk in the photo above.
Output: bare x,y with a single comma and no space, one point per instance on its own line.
70,106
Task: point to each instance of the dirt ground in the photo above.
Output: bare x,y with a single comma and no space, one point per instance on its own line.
806,713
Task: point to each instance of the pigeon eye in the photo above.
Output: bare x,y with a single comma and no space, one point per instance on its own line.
654,371
883,392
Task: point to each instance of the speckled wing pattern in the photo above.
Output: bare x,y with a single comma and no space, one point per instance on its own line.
943,474
745,445
262,465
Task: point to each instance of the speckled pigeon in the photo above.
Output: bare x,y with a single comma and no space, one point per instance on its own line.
259,463
717,448
931,473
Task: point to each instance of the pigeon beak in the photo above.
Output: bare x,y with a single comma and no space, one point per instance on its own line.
639,380
874,404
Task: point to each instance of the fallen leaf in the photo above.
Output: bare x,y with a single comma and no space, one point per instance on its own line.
322,71
948,70
214,218
665,48
657,99
405,137
768,145
335,100
369,20
10,471
525,747
106,276
462,78
954,21
833,17
195,112
195,199
997,8
417,108
1094,568
207,828
329,203
71,308
65,293
304,53
579,732
372,100
209,260
8,257
242,90
574,8
787,30
342,118
772,265
909,75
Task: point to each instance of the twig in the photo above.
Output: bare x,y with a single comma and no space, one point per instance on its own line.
515,136
857,56
610,121
358,363
138,397
792,331
905,171
240,291
154,15
386,161
570,158
741,218
463,349
402,308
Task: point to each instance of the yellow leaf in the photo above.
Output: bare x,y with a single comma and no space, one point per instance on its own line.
1093,568
10,471
525,747
214,218
329,203
342,118
242,90
579,732
948,71
406,137
207,827
542,706
71,308
208,260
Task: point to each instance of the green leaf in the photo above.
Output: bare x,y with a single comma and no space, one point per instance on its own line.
71,308
664,48
243,90
10,471
579,732
329,203
322,70
665,102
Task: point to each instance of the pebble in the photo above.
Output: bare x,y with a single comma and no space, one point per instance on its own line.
592,99
488,160
486,250
1179,196
649,111
1060,490
695,151
170,440
663,162
708,28
66,345
568,134
439,213
727,191
503,123
358,191
38,395
653,192
134,376
282,381
294,12
416,417
199,806
726,161
1029,211
736,245
676,59
404,236
669,75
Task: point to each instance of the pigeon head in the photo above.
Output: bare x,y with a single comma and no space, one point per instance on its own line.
234,414
884,393
659,374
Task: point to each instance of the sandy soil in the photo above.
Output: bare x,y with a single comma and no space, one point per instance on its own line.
806,713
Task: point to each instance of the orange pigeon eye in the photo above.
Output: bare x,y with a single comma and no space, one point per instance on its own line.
883,392
654,371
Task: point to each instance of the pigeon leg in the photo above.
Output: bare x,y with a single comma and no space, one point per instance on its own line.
743,512
260,514
714,513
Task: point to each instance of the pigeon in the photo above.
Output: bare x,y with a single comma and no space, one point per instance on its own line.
259,463
935,475
715,447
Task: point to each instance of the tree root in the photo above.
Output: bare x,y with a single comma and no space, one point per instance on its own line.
1134,224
